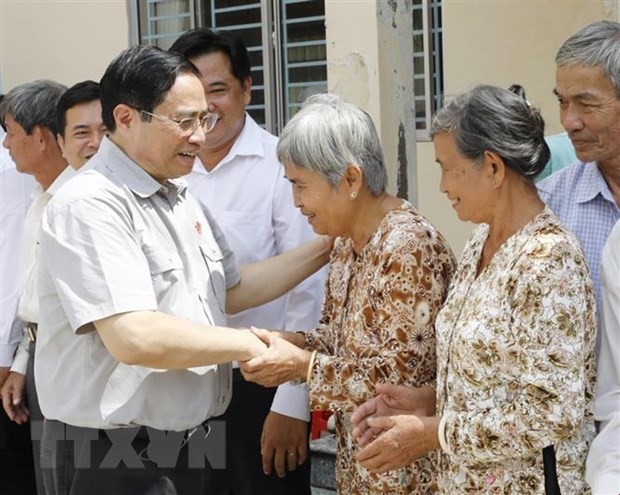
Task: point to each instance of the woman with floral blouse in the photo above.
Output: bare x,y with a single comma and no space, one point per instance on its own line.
388,276
515,338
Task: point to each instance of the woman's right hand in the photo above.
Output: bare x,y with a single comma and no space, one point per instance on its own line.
392,400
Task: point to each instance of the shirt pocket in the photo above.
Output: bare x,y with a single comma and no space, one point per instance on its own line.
214,260
166,270
162,261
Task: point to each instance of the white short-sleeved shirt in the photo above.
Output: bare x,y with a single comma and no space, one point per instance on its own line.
603,466
28,306
15,189
114,240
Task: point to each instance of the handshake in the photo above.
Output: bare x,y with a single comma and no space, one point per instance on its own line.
278,357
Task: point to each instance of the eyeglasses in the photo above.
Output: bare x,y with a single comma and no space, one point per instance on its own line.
188,126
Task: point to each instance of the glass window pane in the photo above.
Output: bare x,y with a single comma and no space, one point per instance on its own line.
160,23
303,52
418,87
418,43
418,22
434,54
418,65
296,9
307,53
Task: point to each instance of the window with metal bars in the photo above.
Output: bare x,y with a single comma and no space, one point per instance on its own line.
427,63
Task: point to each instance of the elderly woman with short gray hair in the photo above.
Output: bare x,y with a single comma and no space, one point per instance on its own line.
388,276
515,338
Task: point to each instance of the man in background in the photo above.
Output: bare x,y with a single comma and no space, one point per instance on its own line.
16,463
80,125
134,281
28,112
238,177
586,195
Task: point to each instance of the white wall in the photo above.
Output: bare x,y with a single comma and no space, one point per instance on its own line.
66,41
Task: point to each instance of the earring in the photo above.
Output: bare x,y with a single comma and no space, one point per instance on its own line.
353,195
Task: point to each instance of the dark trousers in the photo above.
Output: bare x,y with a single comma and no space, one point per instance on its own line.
16,463
36,420
244,475
132,461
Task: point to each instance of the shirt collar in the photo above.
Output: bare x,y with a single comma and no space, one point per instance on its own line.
248,143
64,176
132,175
592,183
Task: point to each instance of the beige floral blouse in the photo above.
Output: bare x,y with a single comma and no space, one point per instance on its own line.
377,326
515,351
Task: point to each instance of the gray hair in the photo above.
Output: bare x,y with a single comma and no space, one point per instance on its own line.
596,45
33,104
488,118
327,135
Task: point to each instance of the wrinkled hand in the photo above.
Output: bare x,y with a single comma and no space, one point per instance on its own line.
402,440
281,362
297,339
284,443
392,400
14,398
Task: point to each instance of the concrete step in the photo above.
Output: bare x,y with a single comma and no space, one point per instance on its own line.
322,491
323,476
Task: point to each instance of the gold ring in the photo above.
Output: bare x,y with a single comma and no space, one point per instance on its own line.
291,453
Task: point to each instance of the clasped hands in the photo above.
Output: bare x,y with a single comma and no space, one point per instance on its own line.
396,427
281,362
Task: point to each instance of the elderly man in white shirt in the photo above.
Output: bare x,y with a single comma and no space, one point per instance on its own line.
28,112
603,465
238,177
16,462
15,190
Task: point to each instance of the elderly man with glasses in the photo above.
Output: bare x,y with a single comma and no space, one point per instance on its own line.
132,349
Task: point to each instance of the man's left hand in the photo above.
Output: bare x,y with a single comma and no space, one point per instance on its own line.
284,443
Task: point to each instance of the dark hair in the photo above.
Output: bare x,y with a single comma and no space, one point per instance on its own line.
488,118
140,77
82,92
33,104
202,41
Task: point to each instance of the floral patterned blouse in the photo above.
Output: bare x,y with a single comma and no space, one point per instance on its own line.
378,326
515,351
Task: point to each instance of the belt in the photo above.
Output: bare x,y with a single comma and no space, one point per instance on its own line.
30,329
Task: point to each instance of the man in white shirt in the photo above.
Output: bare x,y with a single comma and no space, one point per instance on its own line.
132,351
79,129
16,462
603,465
240,180
28,112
